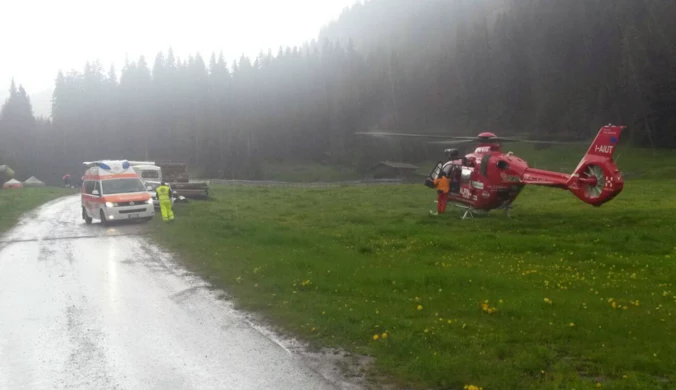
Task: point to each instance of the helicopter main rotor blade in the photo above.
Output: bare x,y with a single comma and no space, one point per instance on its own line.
530,141
452,142
386,134
447,138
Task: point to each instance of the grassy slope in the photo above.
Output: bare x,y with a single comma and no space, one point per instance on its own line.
307,173
13,203
340,266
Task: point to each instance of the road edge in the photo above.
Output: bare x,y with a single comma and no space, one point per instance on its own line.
339,368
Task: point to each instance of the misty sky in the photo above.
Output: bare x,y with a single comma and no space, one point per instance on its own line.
39,37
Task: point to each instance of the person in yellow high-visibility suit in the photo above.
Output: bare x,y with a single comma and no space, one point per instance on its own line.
164,197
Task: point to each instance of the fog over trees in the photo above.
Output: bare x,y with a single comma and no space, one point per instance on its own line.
541,67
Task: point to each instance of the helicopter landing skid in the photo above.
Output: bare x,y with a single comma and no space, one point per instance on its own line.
470,211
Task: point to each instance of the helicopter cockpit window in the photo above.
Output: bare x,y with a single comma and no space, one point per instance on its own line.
503,164
465,176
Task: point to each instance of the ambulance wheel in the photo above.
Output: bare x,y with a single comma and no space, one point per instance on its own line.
88,220
102,217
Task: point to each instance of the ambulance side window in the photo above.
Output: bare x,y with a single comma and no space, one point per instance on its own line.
97,187
89,187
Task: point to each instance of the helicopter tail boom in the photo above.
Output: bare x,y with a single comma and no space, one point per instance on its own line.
545,178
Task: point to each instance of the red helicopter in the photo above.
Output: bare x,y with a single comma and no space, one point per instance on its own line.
489,179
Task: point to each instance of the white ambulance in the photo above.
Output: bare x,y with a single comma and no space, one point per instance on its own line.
112,191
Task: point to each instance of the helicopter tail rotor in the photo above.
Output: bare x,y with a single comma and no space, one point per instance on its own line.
597,179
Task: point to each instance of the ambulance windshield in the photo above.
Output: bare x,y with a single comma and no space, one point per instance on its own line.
122,186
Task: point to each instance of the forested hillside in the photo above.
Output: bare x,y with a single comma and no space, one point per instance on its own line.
543,67
535,65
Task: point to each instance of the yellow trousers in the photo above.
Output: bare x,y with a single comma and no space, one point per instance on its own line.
165,207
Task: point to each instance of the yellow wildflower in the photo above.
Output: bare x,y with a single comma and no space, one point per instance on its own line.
571,324
384,336
420,307
376,337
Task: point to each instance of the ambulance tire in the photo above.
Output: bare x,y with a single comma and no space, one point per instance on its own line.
86,218
103,219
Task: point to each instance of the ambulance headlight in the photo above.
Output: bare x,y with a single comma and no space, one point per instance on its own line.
149,201
111,204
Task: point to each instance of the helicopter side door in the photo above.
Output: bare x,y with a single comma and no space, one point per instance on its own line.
453,170
456,177
465,182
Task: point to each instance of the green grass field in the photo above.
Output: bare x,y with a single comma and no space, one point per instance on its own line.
561,296
15,202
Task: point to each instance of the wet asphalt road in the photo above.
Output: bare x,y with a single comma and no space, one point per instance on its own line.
84,306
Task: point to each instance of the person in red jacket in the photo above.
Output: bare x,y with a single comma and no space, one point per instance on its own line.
443,185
